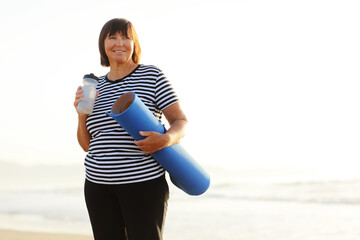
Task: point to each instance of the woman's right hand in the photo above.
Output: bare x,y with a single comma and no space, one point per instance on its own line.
83,134
78,96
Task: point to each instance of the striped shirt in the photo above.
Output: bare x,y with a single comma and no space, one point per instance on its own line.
113,157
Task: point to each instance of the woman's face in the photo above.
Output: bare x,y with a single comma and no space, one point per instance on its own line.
119,48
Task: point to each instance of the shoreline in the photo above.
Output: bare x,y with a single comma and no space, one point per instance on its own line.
6,234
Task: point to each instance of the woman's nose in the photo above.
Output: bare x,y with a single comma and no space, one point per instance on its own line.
119,42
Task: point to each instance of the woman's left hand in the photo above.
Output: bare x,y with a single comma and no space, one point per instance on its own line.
153,142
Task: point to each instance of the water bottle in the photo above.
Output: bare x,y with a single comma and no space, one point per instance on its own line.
86,104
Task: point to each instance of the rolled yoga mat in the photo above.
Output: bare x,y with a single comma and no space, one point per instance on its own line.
185,173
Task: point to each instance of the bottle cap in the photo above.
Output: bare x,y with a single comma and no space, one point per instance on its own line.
91,75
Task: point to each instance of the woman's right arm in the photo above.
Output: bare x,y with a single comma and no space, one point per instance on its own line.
83,134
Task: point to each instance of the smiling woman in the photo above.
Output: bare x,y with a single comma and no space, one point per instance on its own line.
126,191
119,48
119,36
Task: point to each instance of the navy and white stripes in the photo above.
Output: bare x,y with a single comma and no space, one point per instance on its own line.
113,157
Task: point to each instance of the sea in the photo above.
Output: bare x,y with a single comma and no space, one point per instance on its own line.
241,204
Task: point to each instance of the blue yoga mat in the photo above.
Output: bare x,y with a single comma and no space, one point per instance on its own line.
133,115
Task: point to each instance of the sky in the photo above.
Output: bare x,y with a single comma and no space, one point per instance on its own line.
263,83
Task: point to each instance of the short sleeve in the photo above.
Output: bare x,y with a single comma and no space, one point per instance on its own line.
164,92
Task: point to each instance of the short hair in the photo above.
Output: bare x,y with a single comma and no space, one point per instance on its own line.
124,27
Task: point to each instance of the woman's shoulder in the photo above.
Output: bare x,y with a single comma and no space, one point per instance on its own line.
148,67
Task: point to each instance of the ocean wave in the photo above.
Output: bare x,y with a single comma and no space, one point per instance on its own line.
339,192
327,201
333,182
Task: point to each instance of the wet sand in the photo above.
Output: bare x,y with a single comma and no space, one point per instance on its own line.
20,235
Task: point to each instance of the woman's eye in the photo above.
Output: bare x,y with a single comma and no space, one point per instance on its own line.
123,37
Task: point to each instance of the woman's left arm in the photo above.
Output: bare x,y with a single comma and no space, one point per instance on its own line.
155,141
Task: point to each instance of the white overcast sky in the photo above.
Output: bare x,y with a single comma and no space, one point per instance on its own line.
263,83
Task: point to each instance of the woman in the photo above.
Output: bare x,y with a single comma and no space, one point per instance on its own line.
125,188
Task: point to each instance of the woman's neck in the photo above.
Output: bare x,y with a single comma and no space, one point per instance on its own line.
118,71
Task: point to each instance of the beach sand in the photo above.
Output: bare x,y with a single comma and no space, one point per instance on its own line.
19,235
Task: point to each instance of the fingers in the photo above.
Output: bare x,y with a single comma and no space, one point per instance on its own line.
143,146
79,93
146,133
152,142
144,143
140,143
78,96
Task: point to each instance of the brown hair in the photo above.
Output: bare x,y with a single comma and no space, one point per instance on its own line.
124,27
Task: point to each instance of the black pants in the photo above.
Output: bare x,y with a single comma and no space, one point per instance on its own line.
133,211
